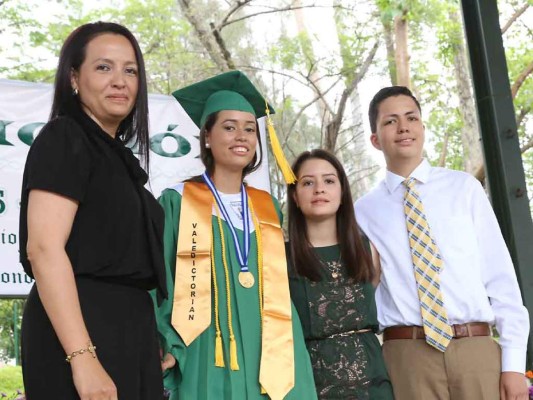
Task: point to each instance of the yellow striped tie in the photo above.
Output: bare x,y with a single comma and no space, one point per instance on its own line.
427,263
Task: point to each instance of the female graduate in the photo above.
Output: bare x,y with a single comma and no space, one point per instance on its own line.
331,279
228,329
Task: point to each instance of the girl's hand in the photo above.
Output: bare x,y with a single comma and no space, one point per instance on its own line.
168,362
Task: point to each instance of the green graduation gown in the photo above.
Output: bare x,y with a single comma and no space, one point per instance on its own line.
195,376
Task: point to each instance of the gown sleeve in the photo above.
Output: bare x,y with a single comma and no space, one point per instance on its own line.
171,342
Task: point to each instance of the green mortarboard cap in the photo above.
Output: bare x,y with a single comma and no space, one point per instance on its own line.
228,91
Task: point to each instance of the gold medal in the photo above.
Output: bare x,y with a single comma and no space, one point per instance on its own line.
246,279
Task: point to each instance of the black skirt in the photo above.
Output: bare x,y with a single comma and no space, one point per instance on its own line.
121,323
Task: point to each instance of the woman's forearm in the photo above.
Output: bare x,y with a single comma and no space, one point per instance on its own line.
59,295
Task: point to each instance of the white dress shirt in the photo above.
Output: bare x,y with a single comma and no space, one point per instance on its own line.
478,280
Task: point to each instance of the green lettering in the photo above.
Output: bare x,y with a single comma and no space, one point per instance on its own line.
26,133
2,204
3,141
184,147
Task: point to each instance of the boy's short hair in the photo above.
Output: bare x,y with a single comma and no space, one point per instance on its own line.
381,96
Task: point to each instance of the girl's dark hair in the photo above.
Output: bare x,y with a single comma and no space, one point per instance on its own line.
134,128
207,156
354,253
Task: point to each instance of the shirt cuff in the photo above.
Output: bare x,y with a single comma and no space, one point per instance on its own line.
513,360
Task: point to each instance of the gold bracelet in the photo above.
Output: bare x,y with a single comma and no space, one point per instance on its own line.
90,348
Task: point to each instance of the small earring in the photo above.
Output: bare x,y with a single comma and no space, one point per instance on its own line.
207,146
75,91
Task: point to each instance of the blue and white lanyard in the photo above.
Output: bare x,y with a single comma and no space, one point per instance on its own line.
242,254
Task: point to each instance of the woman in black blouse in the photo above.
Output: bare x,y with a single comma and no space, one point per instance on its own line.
90,232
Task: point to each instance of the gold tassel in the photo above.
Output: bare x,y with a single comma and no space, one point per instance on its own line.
219,355
234,365
219,351
283,164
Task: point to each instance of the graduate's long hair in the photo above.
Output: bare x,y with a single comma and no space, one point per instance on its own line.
134,128
354,252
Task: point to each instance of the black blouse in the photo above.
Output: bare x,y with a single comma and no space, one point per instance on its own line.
117,231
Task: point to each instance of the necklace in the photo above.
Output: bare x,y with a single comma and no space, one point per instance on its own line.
333,267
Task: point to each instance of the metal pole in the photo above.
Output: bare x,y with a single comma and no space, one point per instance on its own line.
503,161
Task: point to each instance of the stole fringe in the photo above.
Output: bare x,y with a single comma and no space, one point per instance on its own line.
219,352
234,365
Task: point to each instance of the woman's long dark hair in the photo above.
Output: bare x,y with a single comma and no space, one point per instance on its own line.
207,156
354,253
134,128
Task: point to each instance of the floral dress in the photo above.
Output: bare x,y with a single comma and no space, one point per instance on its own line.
346,364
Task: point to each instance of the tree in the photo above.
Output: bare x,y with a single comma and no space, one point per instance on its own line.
314,85
8,319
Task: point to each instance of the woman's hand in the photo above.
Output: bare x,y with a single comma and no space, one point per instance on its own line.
168,362
91,380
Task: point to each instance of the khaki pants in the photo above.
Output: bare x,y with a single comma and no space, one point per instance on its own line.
468,370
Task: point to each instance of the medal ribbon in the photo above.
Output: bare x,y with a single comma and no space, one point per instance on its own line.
242,254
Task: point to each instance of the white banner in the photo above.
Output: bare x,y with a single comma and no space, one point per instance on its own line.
24,109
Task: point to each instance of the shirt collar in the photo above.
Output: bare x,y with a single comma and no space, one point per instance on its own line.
421,174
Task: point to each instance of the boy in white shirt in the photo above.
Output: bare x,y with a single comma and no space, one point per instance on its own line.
446,273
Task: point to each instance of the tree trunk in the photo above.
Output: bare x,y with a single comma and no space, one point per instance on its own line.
444,151
313,77
514,17
401,55
391,54
472,155
205,35
357,153
521,78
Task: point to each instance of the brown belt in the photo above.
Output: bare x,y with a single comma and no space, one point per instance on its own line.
417,332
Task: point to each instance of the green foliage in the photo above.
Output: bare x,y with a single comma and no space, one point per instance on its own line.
282,61
7,327
356,36
11,381
287,53
172,55
446,122
413,10
390,9
518,43
31,36
449,32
